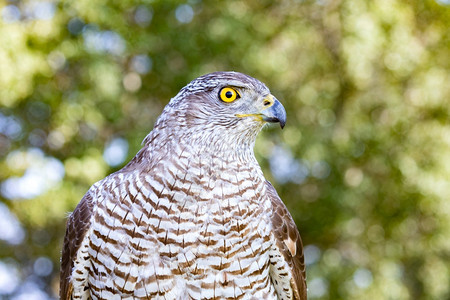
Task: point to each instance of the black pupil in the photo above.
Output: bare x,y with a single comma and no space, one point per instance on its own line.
229,94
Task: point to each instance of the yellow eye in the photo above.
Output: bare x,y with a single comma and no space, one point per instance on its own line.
228,94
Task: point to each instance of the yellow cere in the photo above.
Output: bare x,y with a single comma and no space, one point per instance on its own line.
255,116
228,94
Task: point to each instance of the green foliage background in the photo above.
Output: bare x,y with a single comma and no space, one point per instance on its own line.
366,85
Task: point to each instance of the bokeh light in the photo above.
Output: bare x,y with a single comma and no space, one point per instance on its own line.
363,163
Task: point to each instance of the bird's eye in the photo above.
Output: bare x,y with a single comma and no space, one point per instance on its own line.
228,94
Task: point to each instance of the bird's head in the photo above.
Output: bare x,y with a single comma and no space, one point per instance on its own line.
228,105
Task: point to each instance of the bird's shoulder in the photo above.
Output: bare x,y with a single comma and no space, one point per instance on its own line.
288,243
77,225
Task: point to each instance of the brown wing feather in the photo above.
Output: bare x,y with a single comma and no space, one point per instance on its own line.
77,226
289,242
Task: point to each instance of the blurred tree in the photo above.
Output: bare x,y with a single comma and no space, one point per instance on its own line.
363,164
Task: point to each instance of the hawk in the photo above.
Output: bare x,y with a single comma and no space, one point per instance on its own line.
191,216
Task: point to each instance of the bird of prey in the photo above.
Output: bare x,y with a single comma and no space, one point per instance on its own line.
191,216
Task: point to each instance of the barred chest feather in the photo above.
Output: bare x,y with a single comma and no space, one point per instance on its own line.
189,227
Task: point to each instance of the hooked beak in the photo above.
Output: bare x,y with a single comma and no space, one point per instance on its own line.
270,110
275,111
